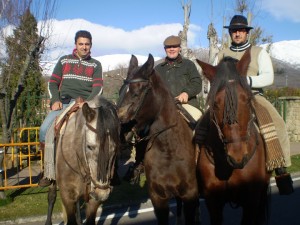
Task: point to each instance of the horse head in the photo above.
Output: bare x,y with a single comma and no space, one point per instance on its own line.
135,91
229,102
100,143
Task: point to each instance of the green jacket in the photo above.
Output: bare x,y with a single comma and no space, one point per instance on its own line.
180,76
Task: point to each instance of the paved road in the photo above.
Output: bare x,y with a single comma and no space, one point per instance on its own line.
284,208
284,211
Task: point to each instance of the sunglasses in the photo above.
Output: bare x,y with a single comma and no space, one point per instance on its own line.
238,30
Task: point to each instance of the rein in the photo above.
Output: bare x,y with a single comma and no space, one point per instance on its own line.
87,177
152,136
141,102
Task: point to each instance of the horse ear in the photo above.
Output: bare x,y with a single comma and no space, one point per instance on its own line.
147,68
209,71
243,64
88,112
133,64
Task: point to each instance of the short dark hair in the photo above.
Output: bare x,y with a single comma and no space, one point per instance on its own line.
84,34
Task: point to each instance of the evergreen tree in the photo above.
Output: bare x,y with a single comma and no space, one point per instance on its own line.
25,91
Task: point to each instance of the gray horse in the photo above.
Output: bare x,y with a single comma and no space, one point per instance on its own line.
86,150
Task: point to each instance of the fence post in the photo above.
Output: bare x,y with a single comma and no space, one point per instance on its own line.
2,195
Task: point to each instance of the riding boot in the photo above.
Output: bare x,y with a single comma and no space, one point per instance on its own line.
134,171
43,182
202,129
284,181
115,181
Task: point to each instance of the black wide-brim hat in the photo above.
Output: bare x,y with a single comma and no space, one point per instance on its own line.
238,22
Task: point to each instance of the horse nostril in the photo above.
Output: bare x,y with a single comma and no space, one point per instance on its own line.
234,164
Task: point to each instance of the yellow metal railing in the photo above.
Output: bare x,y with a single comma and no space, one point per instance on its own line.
22,159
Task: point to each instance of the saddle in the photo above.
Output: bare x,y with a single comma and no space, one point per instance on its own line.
192,122
64,117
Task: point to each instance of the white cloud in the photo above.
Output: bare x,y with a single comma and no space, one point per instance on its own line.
287,9
111,40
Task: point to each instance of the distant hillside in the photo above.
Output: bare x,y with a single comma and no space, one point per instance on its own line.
285,73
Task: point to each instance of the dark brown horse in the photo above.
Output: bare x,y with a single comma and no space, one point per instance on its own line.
85,155
169,161
232,161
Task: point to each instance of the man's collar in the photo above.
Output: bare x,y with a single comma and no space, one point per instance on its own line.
171,61
239,48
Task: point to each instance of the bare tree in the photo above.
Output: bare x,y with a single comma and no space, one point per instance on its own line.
183,34
185,51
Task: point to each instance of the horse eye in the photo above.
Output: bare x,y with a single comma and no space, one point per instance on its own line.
215,106
91,148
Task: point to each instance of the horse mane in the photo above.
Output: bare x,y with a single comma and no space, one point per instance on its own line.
227,74
109,128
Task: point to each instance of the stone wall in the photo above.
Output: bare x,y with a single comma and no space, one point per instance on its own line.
290,111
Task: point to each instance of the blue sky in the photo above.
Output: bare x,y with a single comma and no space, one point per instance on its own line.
138,26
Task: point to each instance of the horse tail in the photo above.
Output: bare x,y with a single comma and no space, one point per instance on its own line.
109,131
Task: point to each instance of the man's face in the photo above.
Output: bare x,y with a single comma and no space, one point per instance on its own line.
238,36
172,51
83,46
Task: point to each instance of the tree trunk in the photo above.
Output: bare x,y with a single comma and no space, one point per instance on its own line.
183,34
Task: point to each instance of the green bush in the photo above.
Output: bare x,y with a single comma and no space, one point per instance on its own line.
273,94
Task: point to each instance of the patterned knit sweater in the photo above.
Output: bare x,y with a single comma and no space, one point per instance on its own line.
73,77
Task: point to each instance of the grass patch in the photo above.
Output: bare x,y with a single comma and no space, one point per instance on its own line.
33,201
295,167
26,202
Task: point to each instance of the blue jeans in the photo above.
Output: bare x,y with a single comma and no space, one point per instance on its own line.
50,118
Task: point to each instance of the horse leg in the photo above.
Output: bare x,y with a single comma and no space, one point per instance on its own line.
198,214
215,208
78,214
70,210
179,218
189,208
51,201
91,211
256,209
161,210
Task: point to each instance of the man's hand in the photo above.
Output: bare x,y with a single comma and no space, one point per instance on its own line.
183,97
56,106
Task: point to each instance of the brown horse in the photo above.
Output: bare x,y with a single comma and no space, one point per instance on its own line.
85,155
232,160
169,161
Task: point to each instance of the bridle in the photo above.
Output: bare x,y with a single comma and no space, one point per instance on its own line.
87,178
143,94
225,141
138,108
105,186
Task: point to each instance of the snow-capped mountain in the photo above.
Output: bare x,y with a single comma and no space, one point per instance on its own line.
285,51
108,62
